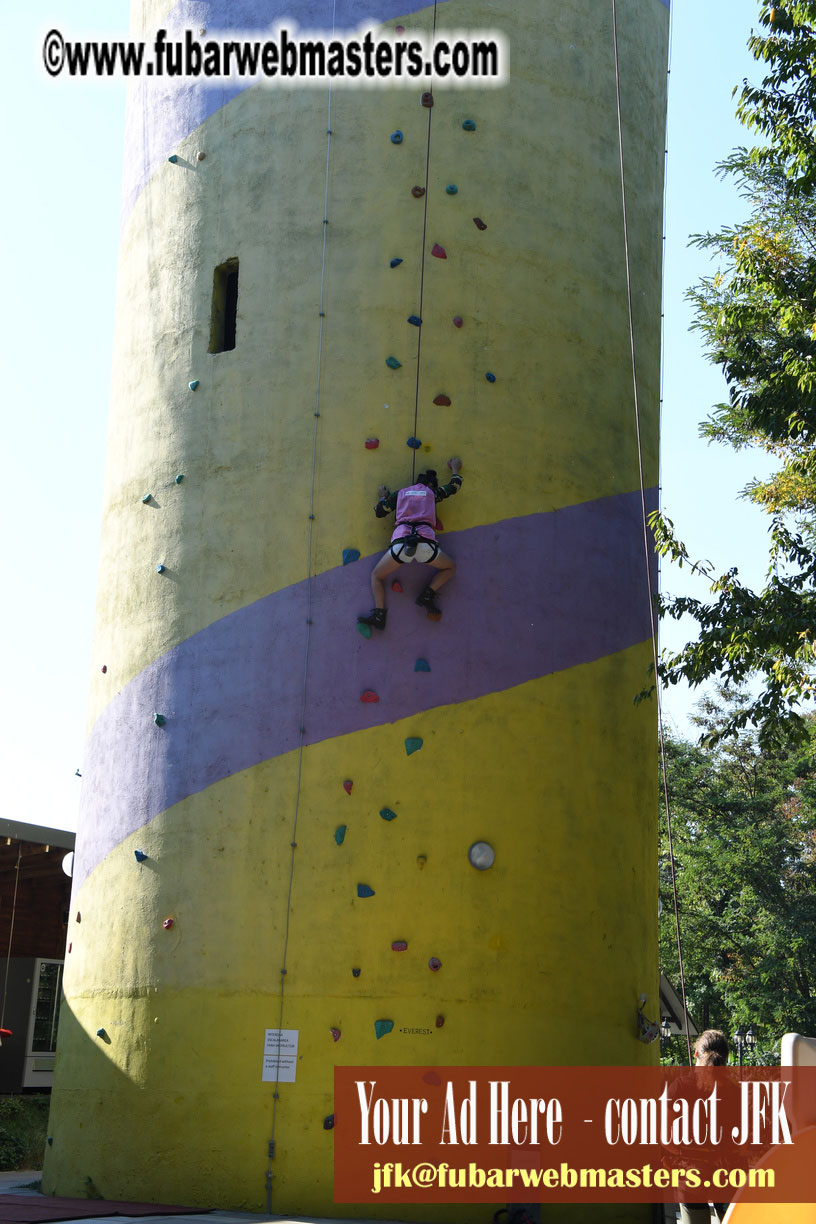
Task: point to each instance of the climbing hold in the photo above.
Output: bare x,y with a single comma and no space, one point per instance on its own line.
173,158
347,785
335,1032
77,774
179,478
430,1077
412,744
363,630
328,1122
399,945
399,29
381,1027
479,223
372,443
414,320
417,192
422,665
160,568
350,554
396,585
392,363
414,443
469,125
442,401
369,696
434,964
168,922
104,668
356,972
339,834
421,860
159,720
451,189
140,856
427,99
440,1021
457,320
146,498
100,1032
396,137
490,377
201,154
387,814
192,385
395,263
438,251
363,890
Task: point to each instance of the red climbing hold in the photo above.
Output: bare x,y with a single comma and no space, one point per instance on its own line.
372,443
430,1077
438,251
168,922
369,696
479,223
104,668
399,945
440,1021
427,99
347,785
399,29
396,585
457,320
417,192
442,401
335,1032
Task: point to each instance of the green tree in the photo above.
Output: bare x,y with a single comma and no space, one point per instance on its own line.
757,314
744,838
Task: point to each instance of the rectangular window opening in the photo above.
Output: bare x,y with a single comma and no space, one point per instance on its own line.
224,307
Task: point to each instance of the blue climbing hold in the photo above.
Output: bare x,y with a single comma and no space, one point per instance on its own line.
363,890
192,385
350,554
101,1032
159,720
339,834
451,189
392,363
422,665
414,320
414,443
140,856
356,972
490,377
381,1027
395,263
387,814
396,137
160,568
179,478
412,744
469,125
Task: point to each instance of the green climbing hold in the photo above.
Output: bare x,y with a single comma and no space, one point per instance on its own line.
469,125
451,189
413,743
159,720
363,630
422,665
339,834
381,1027
392,363
179,478
387,814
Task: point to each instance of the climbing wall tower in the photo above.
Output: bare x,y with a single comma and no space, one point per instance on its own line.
256,835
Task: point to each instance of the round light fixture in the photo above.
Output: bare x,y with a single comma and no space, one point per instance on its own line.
68,863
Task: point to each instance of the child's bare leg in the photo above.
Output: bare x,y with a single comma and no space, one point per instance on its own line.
446,567
385,566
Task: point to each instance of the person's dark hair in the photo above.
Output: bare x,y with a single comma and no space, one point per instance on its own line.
711,1049
428,478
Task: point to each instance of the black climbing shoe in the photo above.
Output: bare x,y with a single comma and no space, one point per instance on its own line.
427,601
375,618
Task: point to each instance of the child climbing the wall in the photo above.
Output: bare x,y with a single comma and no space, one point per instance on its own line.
413,539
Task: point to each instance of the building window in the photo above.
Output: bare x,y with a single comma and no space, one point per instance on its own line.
224,307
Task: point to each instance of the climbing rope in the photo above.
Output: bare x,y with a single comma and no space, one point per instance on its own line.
422,260
11,933
307,645
647,550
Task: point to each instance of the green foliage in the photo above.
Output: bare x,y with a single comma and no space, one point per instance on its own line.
23,1126
744,838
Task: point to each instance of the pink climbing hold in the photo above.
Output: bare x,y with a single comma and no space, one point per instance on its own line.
399,945
396,585
442,401
479,223
168,922
369,696
347,785
399,29
438,251
417,192
458,320
372,443
335,1032
434,964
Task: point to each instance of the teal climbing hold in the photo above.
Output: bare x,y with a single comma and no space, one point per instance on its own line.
422,665
179,478
414,320
173,158
451,189
413,743
392,363
469,125
363,890
395,263
414,443
192,385
339,834
490,377
387,814
381,1027
396,137
364,630
159,720
146,498
350,554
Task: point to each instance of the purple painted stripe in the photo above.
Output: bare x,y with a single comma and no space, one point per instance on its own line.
163,111
531,596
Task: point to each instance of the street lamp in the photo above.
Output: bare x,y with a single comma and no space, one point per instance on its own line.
746,1040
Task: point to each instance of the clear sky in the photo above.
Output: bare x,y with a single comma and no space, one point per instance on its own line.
60,220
